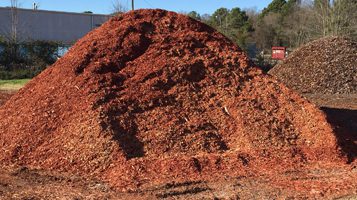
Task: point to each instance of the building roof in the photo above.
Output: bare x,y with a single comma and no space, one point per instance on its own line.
54,12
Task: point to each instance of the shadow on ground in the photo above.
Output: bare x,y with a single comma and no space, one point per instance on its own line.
345,124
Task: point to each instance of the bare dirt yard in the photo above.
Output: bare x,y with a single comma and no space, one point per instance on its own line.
319,182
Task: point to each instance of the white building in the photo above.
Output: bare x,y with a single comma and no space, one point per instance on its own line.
33,24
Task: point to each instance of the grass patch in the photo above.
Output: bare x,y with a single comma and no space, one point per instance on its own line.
15,84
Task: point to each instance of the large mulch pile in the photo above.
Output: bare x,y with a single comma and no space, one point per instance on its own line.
324,66
153,96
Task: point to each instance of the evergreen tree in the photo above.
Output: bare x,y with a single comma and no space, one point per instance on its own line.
276,6
289,7
237,18
194,15
219,18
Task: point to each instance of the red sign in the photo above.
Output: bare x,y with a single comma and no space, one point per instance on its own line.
278,53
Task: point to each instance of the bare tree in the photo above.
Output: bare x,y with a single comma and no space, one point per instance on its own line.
322,11
118,7
336,17
297,27
267,31
13,39
14,20
343,17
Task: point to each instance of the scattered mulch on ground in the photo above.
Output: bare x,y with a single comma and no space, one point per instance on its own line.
153,96
311,183
324,66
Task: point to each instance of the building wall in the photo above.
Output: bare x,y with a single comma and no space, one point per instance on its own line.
49,25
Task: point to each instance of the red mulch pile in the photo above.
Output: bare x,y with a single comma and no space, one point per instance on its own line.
324,66
153,96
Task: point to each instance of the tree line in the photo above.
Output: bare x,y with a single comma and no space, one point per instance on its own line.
289,23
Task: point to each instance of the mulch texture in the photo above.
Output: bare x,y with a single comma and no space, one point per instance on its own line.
4,96
324,66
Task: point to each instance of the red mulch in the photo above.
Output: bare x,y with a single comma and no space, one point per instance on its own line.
153,96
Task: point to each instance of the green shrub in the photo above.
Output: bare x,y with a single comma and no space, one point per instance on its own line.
26,59
18,74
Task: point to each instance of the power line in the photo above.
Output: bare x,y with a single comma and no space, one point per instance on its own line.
149,4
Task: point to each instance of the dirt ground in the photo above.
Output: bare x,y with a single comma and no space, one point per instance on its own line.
341,101
307,183
319,181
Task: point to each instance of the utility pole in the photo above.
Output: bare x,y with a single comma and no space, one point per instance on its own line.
132,5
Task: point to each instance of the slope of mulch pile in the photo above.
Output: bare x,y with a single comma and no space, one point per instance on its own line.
153,96
4,96
324,66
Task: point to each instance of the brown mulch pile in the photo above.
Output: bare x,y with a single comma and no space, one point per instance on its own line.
153,96
324,66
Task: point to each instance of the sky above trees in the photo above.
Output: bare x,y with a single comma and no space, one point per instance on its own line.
105,6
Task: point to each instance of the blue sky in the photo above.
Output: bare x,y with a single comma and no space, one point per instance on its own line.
105,6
